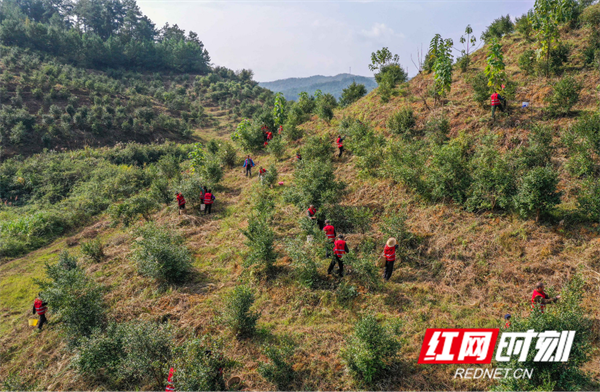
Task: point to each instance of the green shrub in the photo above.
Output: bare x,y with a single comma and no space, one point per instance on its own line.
348,219
588,200
493,180
199,366
564,96
317,148
305,255
276,147
126,355
279,371
437,128
481,90
74,297
369,350
94,250
352,93
228,155
402,122
537,192
130,209
392,74
527,62
169,166
566,315
523,25
314,183
211,172
260,238
160,191
270,177
367,146
238,315
405,161
499,27
364,270
449,174
291,132
591,15
325,105
249,135
539,150
161,254
583,143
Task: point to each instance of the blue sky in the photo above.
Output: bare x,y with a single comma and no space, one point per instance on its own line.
280,39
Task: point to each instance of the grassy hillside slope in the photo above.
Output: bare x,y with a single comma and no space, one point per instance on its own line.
461,268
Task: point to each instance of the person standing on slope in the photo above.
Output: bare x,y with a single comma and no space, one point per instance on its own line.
331,234
209,198
340,144
248,164
180,202
389,251
40,308
540,298
497,102
340,248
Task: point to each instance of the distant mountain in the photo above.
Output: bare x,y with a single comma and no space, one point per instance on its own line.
334,85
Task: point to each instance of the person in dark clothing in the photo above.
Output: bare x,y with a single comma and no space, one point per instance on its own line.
298,156
248,164
340,248
40,307
497,101
181,203
507,318
209,198
389,252
340,144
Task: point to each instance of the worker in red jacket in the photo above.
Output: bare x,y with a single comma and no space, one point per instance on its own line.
209,198
340,144
507,323
180,202
497,102
541,298
330,234
340,248
170,387
261,174
269,135
40,308
389,251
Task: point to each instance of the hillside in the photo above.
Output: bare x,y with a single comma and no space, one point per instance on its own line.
69,96
454,187
291,87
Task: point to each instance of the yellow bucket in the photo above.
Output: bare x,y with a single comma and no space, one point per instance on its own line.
33,322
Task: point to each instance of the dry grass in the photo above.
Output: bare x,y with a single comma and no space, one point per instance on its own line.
467,271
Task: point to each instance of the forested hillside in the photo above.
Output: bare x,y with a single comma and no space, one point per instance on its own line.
482,207
334,85
51,99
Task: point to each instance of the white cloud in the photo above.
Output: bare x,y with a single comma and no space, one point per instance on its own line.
381,31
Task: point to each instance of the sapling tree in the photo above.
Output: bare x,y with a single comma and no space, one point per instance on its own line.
279,110
547,17
468,43
494,69
382,58
442,65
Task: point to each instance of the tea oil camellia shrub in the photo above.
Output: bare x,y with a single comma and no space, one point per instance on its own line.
74,297
161,254
199,366
126,355
94,250
238,315
279,370
370,350
402,122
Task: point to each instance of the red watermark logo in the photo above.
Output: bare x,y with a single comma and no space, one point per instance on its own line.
458,345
